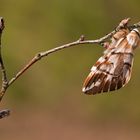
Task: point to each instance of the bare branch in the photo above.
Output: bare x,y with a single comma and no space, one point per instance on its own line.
137,25
46,53
3,113
3,71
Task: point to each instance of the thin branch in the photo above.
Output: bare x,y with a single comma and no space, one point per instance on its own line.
136,25
3,71
39,56
3,113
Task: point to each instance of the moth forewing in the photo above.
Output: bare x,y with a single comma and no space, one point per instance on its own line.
113,70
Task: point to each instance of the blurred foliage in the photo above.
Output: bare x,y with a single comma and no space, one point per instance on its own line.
56,81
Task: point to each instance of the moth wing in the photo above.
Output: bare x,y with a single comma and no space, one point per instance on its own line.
111,72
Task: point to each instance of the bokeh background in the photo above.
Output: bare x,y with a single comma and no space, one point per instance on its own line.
47,102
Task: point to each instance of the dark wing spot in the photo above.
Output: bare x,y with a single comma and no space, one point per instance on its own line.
106,86
113,83
120,83
102,82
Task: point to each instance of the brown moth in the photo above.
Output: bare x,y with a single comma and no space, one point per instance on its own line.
113,70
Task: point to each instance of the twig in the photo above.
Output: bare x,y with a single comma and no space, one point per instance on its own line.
3,113
136,25
39,56
3,71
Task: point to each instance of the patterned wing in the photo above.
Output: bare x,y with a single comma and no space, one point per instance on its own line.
113,70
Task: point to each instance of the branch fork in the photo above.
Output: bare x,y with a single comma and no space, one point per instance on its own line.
6,83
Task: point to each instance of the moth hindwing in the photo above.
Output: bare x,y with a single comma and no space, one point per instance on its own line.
113,70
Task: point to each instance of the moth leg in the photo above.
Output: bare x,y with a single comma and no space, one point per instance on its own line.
105,45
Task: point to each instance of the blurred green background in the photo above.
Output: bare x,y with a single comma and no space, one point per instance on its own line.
47,102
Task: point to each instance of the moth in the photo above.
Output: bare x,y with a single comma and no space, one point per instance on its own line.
113,70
